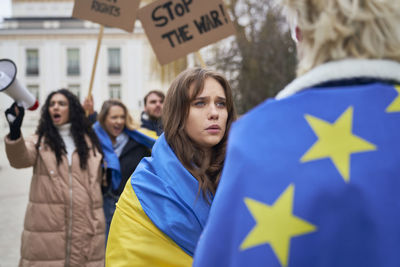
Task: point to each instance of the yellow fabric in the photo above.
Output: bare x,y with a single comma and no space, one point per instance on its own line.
135,241
148,132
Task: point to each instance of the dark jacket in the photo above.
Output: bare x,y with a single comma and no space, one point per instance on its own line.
130,157
148,123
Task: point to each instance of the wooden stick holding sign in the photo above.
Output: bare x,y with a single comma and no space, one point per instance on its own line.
113,13
200,58
99,38
176,28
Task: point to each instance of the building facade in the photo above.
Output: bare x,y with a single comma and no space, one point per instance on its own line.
52,50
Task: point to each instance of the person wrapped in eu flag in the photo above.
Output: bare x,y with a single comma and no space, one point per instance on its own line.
312,177
165,205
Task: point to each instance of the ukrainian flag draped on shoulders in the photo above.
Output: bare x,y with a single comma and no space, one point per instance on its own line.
312,178
142,136
159,216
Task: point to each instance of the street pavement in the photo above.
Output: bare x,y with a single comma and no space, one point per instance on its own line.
14,189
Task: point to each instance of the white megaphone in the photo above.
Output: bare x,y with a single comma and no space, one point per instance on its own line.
10,85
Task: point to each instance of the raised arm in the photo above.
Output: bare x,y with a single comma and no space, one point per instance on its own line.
20,153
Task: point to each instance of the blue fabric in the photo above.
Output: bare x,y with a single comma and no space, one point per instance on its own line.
109,155
351,223
168,194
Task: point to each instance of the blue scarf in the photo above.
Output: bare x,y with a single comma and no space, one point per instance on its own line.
169,196
109,155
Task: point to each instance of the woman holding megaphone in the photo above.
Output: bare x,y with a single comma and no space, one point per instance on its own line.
64,221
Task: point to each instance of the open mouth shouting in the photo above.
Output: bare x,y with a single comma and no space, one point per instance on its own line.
59,119
59,109
117,130
56,118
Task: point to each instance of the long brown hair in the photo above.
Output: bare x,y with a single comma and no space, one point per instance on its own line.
206,169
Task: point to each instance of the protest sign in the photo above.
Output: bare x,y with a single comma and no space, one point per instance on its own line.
113,13
176,28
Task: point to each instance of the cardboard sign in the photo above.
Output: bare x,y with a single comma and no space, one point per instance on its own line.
176,28
114,13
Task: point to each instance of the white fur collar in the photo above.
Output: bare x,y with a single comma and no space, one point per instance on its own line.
343,69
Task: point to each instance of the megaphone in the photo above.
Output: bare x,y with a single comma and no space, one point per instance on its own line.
10,85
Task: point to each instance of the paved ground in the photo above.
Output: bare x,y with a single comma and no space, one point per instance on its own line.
14,188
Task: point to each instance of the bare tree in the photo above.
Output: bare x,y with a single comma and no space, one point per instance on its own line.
260,60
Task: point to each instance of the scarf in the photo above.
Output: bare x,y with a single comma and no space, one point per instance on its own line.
111,157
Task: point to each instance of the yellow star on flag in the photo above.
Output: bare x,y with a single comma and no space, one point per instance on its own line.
395,105
336,141
275,225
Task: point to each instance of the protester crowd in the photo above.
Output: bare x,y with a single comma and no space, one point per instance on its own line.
308,178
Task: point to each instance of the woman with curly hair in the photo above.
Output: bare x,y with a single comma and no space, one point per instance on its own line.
163,209
64,221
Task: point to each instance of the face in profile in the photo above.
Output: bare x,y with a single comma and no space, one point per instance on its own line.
114,122
206,122
59,109
154,105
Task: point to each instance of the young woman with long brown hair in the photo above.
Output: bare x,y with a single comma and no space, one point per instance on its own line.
163,209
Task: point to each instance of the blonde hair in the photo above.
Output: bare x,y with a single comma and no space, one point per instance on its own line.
339,29
129,122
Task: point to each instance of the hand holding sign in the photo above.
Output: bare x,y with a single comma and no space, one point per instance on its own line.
113,13
176,28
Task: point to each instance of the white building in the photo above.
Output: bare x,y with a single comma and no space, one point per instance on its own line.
52,50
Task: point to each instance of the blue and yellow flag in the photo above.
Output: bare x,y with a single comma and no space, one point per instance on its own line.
159,216
310,180
142,136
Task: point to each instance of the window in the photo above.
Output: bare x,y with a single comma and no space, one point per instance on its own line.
34,89
75,89
115,91
73,61
32,62
114,61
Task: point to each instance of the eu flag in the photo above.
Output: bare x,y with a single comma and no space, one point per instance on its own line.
311,180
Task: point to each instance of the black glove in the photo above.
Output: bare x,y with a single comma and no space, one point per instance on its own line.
15,120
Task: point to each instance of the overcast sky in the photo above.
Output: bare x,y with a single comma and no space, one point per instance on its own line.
5,8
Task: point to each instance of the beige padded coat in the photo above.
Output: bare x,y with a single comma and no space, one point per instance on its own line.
64,221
